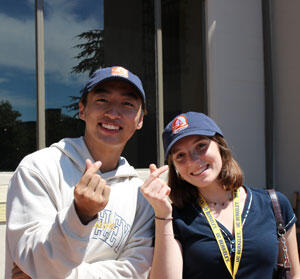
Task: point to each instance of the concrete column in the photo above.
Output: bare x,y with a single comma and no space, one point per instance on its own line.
40,74
236,80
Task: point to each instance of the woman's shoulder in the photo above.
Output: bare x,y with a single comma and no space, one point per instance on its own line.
262,197
263,193
255,190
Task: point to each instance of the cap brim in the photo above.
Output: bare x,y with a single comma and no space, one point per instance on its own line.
123,79
192,132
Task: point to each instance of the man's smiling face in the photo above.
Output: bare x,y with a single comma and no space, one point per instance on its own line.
113,112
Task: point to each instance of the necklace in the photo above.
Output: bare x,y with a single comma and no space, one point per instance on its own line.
221,203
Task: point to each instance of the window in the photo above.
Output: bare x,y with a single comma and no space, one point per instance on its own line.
17,82
117,33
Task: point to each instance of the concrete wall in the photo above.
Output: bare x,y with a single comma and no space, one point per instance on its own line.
286,83
236,80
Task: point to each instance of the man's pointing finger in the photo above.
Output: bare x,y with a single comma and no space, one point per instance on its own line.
91,169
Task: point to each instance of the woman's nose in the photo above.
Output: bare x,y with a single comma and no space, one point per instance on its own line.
194,155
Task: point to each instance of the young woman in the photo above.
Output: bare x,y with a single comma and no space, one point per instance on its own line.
215,227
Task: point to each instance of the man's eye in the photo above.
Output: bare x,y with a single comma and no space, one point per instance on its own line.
101,100
128,104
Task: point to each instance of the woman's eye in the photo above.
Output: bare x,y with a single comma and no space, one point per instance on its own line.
202,145
179,156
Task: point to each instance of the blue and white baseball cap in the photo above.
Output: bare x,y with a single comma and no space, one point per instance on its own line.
115,72
188,124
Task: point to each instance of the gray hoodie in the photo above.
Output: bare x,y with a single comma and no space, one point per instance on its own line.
44,235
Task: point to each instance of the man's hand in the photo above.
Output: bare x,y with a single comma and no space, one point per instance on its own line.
17,273
156,192
91,194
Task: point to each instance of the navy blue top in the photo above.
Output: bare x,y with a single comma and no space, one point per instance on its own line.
201,255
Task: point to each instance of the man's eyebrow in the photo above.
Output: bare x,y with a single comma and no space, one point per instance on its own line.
131,94
101,90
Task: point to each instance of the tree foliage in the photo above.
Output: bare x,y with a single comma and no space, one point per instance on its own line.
91,58
91,55
17,138
8,116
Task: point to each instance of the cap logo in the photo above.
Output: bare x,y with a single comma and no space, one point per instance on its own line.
179,123
119,71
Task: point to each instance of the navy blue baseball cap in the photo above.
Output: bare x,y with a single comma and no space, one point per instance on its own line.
112,73
188,124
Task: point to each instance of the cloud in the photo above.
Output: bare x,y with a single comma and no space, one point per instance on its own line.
17,46
18,100
3,80
17,43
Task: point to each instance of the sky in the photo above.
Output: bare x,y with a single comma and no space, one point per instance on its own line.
63,20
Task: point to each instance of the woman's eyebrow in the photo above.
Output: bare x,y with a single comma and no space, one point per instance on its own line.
175,150
198,139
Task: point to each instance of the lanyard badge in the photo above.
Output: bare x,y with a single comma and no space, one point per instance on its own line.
238,233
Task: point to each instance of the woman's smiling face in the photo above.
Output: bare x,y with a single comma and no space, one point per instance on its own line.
198,160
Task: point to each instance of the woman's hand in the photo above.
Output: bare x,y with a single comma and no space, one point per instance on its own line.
156,191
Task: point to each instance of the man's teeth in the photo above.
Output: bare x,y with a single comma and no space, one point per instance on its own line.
111,127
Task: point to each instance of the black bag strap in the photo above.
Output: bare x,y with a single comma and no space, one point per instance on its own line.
280,227
277,212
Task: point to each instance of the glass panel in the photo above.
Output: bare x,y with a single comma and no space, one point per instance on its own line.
182,27
69,25
118,33
17,82
129,41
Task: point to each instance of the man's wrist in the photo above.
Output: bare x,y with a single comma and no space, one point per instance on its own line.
84,218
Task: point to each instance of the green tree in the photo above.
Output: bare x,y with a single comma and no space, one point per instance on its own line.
91,58
8,116
17,138
91,55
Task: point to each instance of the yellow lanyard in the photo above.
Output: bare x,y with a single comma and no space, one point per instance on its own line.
238,232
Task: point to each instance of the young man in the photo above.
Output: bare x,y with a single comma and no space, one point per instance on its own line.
74,209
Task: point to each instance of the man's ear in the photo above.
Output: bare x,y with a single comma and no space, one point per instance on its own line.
140,124
81,111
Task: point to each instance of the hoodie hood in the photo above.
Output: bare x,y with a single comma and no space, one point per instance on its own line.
77,151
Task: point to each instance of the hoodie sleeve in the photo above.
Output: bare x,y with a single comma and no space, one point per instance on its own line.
136,258
43,241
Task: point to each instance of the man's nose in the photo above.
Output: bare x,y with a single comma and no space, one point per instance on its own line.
113,111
